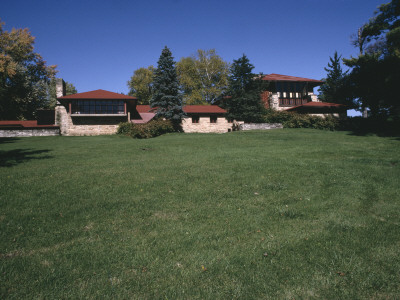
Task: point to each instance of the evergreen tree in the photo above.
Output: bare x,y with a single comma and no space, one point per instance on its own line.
334,89
244,101
166,95
375,74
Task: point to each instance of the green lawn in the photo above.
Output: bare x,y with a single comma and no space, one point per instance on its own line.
251,215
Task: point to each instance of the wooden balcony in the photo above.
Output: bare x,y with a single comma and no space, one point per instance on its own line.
288,102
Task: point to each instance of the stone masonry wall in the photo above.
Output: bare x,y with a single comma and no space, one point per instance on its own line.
262,126
25,132
86,125
205,126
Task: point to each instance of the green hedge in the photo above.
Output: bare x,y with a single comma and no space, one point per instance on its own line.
148,130
294,120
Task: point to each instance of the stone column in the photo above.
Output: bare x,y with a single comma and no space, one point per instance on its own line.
274,101
313,97
61,114
60,88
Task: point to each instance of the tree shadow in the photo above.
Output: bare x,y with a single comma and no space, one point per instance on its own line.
372,126
386,133
12,158
6,140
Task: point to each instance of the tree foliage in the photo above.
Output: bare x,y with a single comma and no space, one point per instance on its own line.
166,95
203,77
52,93
243,100
375,73
335,87
141,84
24,76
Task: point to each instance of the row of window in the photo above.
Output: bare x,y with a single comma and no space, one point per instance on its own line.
292,102
291,89
195,119
289,95
97,107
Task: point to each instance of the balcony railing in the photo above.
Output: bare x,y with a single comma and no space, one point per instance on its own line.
292,102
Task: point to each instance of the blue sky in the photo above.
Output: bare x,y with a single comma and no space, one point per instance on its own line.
98,44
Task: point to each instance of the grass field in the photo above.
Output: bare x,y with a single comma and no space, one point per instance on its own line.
250,215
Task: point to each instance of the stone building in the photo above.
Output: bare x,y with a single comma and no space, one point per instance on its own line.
296,94
99,112
200,118
91,113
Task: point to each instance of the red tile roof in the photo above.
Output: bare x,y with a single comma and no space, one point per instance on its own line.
98,94
319,104
145,117
143,108
209,109
322,104
278,77
24,124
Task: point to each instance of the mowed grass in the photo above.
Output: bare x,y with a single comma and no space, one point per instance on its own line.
250,215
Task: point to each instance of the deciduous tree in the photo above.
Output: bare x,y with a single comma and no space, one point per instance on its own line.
203,77
141,84
166,95
24,76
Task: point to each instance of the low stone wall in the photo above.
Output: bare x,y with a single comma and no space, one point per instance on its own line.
260,126
205,126
25,132
92,129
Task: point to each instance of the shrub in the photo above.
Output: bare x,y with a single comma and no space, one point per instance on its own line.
124,128
148,130
294,120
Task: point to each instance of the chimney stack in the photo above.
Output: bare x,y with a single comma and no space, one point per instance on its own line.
60,88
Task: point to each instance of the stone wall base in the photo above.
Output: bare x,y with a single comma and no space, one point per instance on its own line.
260,126
26,132
92,130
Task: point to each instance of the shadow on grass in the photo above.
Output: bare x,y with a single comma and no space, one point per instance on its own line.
395,135
14,157
6,140
373,126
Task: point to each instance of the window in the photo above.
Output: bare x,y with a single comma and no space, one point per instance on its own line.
195,119
213,119
97,107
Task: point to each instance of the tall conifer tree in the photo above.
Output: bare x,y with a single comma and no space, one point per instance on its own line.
166,95
244,101
334,89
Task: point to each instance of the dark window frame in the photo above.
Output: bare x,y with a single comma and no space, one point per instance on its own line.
98,107
195,119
